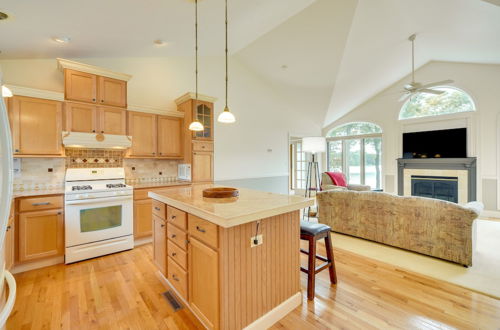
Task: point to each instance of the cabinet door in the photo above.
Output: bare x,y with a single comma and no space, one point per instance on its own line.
204,282
80,86
36,126
112,121
9,244
204,112
112,92
160,244
202,167
80,117
143,218
41,234
142,127
170,137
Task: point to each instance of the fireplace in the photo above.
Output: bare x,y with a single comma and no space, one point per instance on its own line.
439,187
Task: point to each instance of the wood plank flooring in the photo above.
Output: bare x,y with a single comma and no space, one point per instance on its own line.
121,291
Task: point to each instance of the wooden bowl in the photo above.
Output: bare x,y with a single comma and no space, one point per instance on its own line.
220,192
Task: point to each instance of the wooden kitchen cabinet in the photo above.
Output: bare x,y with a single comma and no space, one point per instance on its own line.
204,111
41,234
143,219
204,282
202,166
142,128
112,121
36,126
9,243
170,137
160,244
80,86
112,92
80,117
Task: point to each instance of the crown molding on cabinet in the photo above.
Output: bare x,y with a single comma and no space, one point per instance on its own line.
67,64
191,95
38,93
154,110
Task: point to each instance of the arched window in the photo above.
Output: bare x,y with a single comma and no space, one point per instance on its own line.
355,149
453,100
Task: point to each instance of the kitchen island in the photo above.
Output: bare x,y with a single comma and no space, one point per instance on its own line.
234,262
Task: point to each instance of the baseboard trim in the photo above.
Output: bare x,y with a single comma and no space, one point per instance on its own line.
267,320
24,267
142,241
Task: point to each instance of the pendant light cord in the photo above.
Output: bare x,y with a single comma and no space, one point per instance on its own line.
196,49
227,70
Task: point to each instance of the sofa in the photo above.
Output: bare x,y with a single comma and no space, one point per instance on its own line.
327,184
428,226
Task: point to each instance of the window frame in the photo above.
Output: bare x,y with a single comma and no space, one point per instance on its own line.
294,162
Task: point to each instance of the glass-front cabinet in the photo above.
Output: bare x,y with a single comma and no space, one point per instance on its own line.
204,113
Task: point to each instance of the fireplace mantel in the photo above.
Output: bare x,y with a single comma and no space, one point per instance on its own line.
468,164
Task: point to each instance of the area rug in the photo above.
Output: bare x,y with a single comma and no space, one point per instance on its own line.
483,276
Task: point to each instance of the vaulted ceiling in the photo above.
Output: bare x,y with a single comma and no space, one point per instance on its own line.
341,52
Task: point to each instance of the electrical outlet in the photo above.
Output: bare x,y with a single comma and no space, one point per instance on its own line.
258,238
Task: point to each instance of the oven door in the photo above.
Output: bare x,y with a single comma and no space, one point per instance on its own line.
98,219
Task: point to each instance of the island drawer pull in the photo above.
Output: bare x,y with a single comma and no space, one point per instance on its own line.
157,208
175,278
162,225
173,236
174,254
40,204
198,228
173,217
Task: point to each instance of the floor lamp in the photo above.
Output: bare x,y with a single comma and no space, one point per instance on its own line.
313,145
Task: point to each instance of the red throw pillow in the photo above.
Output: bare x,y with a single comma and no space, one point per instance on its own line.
338,178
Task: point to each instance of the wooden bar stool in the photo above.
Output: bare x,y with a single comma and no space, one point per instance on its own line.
312,232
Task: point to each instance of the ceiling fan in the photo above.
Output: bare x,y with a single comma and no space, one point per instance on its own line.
416,87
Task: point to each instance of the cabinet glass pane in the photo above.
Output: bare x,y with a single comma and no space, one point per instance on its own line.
100,218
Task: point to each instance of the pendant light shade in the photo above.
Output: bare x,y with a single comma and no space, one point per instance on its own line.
196,125
226,116
6,92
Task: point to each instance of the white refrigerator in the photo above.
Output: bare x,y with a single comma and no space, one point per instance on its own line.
7,281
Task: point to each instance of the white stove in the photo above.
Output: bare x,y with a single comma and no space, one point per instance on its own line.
98,213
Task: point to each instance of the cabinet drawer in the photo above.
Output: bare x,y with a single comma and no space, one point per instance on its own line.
203,146
204,230
178,236
177,217
141,194
177,254
178,278
159,209
41,203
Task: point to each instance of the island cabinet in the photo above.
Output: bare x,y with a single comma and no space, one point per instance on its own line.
212,263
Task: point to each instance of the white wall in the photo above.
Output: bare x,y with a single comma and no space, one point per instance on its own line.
481,81
265,112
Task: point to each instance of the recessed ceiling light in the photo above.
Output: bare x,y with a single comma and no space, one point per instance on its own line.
3,16
61,40
159,43
284,67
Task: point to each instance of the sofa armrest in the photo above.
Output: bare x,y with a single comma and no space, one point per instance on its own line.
327,187
358,187
476,207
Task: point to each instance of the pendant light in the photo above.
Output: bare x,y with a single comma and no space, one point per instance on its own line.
196,125
226,116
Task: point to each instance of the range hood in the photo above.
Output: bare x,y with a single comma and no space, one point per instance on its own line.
95,140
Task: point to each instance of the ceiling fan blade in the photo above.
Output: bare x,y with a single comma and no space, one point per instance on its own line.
439,83
404,97
430,91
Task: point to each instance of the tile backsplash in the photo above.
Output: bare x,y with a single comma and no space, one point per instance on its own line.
48,173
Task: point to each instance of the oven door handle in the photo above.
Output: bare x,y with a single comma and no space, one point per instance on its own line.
99,200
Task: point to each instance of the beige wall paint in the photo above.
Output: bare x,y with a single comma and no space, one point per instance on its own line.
255,146
481,81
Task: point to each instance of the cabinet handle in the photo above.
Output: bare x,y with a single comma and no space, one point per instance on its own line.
173,217
40,204
154,153
198,228
102,101
93,131
17,150
173,236
162,225
8,228
59,213
157,208
173,253
93,100
102,132
202,147
175,278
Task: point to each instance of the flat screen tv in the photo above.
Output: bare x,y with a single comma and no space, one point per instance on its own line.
448,143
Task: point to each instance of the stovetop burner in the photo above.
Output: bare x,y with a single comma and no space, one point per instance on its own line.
86,187
116,185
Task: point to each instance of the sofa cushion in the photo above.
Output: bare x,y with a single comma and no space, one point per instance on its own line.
338,178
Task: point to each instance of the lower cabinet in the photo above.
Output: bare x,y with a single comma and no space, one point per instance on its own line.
41,234
202,166
9,243
160,244
143,220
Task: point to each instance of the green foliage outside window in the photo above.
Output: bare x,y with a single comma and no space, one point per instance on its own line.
354,129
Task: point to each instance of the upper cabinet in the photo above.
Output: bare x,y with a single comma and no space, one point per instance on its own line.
112,120
91,88
170,136
36,126
112,92
203,111
80,86
80,117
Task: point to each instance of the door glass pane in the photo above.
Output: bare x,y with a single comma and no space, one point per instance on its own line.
335,156
373,162
100,218
353,159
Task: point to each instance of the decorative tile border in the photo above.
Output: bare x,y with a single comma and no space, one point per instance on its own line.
88,158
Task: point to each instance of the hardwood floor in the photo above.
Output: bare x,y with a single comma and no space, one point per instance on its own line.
121,291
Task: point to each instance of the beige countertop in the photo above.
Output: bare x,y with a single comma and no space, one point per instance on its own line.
250,206
41,192
158,184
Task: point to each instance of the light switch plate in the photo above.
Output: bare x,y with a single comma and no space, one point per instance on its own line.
259,240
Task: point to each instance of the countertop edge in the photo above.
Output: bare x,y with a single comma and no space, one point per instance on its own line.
235,221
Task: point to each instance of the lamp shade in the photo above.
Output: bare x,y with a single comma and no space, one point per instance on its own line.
196,126
226,117
314,144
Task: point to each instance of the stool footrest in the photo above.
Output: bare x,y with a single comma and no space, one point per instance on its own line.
317,269
317,256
